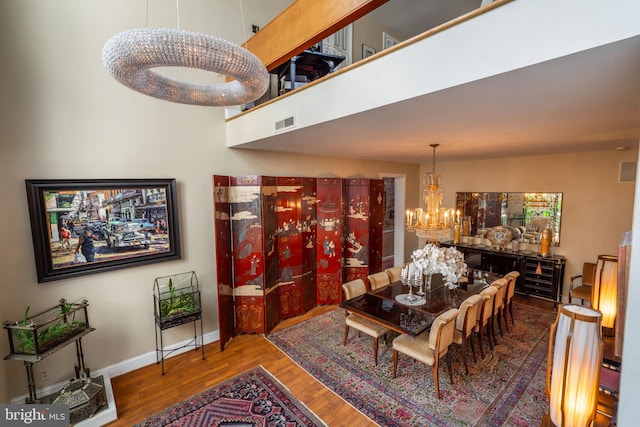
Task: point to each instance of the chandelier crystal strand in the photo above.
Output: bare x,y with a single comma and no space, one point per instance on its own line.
436,223
130,55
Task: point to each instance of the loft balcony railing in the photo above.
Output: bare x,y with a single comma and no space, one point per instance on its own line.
295,46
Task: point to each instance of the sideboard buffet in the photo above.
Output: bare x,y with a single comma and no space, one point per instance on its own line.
540,277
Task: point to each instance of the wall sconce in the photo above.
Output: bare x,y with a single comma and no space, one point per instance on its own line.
605,291
573,367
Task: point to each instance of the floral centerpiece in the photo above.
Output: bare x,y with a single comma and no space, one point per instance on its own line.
448,261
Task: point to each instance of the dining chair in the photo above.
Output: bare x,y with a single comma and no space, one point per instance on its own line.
353,289
466,325
394,273
430,346
512,278
485,314
498,306
378,280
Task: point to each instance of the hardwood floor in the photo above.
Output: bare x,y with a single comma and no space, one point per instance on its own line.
145,391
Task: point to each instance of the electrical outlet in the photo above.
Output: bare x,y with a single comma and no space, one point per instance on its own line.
255,28
44,375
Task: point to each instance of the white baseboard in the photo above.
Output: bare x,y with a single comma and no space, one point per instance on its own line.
150,357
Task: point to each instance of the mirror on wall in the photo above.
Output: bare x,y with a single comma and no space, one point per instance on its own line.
526,213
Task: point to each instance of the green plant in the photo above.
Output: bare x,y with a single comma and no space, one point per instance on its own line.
29,336
177,304
25,337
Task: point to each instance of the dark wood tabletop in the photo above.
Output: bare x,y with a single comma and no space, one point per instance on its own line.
382,306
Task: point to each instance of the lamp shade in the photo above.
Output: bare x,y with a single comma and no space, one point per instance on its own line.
605,289
574,363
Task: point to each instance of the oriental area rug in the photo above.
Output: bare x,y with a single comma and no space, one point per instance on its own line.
252,399
506,388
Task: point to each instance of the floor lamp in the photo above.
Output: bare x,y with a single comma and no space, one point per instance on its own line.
573,367
605,291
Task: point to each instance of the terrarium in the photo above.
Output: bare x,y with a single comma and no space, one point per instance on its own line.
43,332
176,298
176,301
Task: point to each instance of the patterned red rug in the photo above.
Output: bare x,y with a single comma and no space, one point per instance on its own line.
253,399
506,388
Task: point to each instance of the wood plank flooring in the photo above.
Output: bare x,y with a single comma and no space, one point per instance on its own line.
145,391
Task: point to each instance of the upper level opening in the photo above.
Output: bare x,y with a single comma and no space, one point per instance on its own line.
389,24
504,80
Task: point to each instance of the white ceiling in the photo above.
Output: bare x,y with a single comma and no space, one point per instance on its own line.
583,102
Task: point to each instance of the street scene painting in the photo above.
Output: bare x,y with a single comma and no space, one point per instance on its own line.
82,227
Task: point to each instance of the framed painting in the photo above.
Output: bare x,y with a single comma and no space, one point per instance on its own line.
367,51
388,41
89,226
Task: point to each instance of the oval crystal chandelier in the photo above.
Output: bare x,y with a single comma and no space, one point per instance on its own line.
434,224
130,55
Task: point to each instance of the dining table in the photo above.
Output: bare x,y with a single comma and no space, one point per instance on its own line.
392,307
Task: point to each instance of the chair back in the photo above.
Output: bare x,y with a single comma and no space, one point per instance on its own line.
378,280
588,273
354,288
394,273
511,277
441,333
486,310
501,284
468,313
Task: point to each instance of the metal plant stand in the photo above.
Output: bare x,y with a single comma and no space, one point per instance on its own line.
30,360
161,325
71,317
177,302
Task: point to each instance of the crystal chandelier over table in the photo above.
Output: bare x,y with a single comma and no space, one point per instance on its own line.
436,223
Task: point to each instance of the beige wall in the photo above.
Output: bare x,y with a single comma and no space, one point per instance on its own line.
367,30
62,116
596,208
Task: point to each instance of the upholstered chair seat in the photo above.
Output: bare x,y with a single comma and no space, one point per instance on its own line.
582,292
483,324
498,306
466,325
582,284
353,289
430,346
511,278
